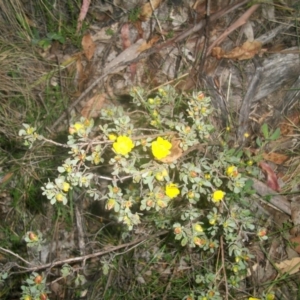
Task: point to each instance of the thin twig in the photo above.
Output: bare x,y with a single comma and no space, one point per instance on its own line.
247,102
16,255
239,22
158,23
224,269
78,258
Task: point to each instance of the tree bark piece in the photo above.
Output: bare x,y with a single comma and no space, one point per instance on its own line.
280,202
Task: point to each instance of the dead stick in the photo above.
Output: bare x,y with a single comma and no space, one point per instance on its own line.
79,258
239,22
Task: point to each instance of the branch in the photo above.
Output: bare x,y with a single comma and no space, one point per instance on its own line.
79,258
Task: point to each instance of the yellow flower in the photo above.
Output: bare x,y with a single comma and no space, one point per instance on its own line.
164,173
67,168
172,190
65,187
123,145
155,113
212,221
161,148
161,203
246,134
198,228
249,162
112,137
159,176
59,197
252,298
78,126
30,130
96,158
110,204
270,296
151,101
232,171
218,196
162,92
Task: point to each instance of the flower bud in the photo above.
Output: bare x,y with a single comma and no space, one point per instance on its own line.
65,187
59,197
43,296
110,204
198,228
38,279
33,237
177,230
159,176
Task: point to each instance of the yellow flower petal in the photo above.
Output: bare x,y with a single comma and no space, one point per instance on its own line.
172,190
78,126
123,145
232,171
65,187
59,197
218,195
110,204
198,228
112,137
161,148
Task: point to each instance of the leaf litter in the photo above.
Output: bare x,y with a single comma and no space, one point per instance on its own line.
227,71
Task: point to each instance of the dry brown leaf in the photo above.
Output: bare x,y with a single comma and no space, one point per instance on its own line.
88,46
288,127
246,51
93,106
81,75
147,45
176,152
127,55
276,158
291,266
6,177
217,52
272,180
146,11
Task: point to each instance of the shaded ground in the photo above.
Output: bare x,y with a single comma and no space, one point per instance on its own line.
49,73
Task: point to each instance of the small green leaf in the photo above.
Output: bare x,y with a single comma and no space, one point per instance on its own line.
184,241
258,142
275,135
265,130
